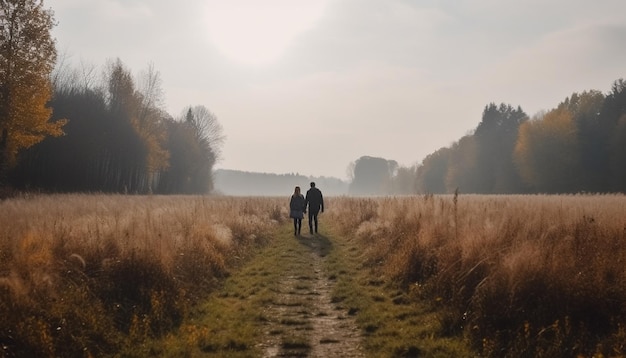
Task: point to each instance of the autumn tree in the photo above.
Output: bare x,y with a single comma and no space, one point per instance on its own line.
194,142
138,129
546,152
462,171
149,122
126,156
27,57
431,175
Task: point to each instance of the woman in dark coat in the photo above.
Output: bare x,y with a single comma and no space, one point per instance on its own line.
297,206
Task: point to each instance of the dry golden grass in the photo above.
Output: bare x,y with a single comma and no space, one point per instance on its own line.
83,275
517,275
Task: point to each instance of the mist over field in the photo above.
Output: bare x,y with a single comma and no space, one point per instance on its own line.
369,100
238,183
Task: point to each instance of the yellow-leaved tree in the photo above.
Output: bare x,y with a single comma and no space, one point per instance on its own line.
27,57
547,150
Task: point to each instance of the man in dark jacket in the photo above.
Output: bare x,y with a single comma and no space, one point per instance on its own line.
315,203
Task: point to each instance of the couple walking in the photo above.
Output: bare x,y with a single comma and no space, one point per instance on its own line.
298,206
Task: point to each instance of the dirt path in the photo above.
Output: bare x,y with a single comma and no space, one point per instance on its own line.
302,319
301,297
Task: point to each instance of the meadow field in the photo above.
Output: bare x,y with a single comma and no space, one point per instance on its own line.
87,275
518,276
514,276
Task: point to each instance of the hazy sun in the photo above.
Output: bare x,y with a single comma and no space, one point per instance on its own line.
257,32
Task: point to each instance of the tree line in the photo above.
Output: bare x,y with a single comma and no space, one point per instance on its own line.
68,129
118,139
579,146
71,130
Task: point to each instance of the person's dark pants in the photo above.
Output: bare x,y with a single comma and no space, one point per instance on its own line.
297,225
313,220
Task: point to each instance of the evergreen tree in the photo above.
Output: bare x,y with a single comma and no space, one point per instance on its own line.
496,136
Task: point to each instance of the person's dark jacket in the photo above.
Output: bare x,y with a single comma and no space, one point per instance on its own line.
314,200
297,206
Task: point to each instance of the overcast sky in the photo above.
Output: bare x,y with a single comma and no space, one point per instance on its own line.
308,86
